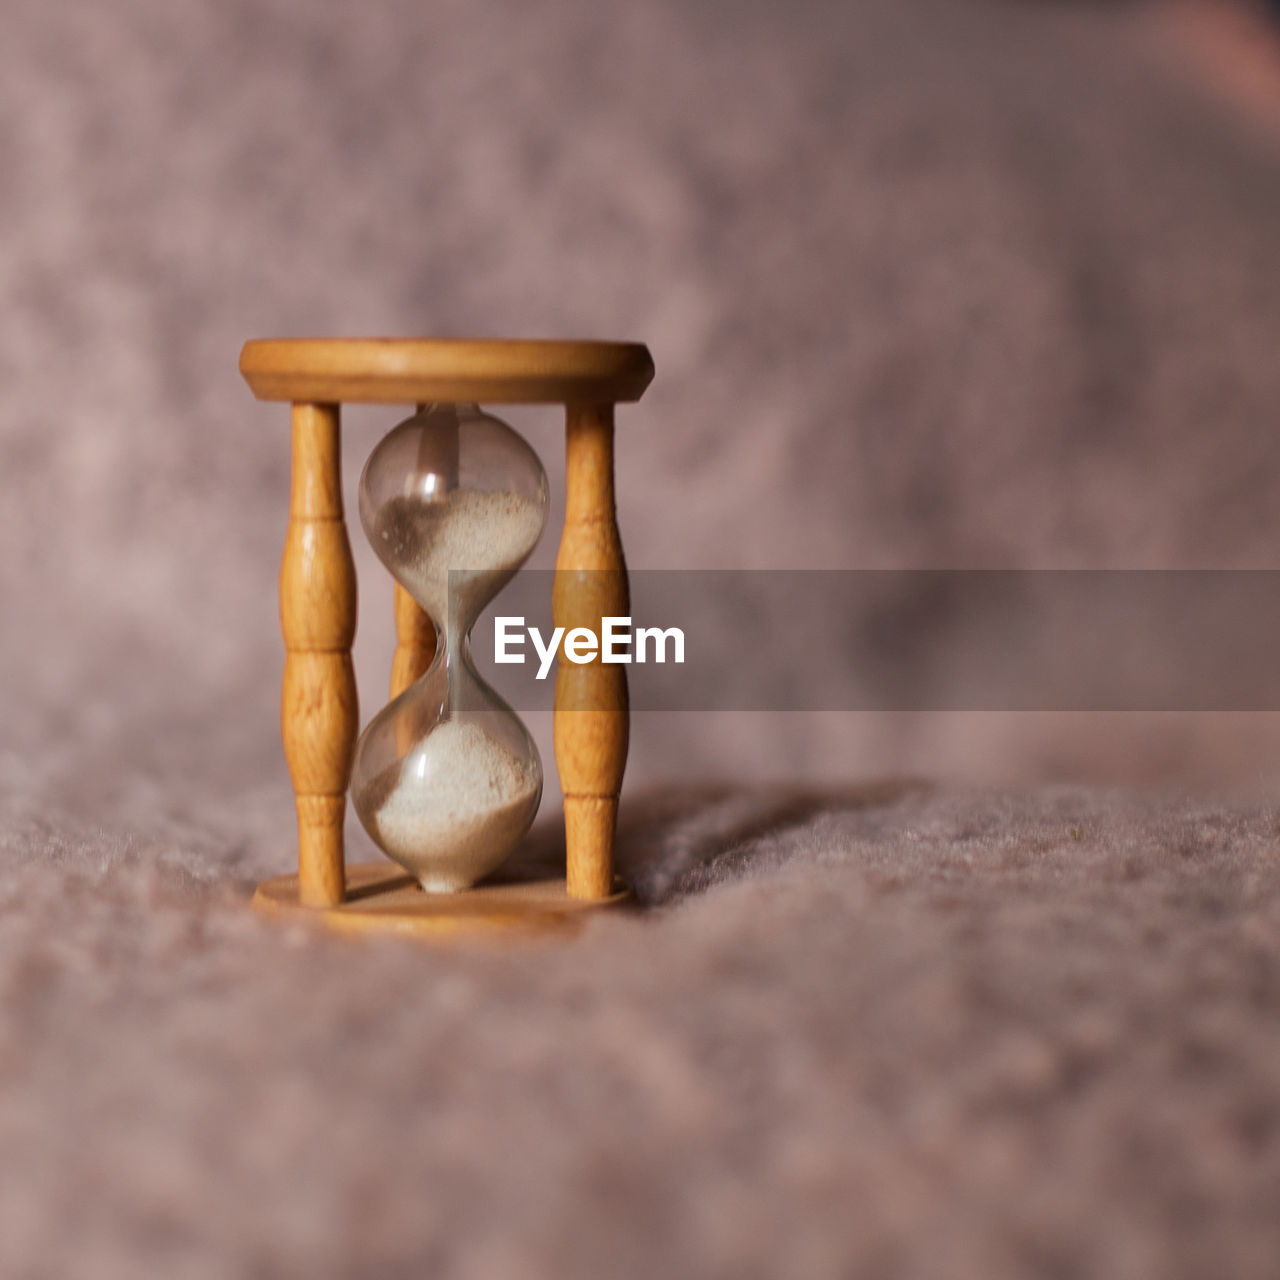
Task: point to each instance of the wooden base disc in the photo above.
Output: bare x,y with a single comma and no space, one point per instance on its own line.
381,898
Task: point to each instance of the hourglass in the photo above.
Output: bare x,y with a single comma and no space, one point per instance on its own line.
446,779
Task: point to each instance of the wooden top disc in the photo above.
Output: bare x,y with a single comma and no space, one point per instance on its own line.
451,370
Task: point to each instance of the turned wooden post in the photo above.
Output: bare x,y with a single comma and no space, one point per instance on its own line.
415,633
318,618
415,642
591,718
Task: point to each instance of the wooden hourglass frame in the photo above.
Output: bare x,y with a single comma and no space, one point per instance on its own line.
319,716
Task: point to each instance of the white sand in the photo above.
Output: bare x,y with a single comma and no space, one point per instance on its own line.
462,802
482,536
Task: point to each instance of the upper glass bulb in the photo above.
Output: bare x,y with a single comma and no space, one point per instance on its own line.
453,488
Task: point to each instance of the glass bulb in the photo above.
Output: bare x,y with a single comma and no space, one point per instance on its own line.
446,779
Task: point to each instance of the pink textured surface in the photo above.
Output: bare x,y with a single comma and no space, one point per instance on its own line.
927,283
878,1033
